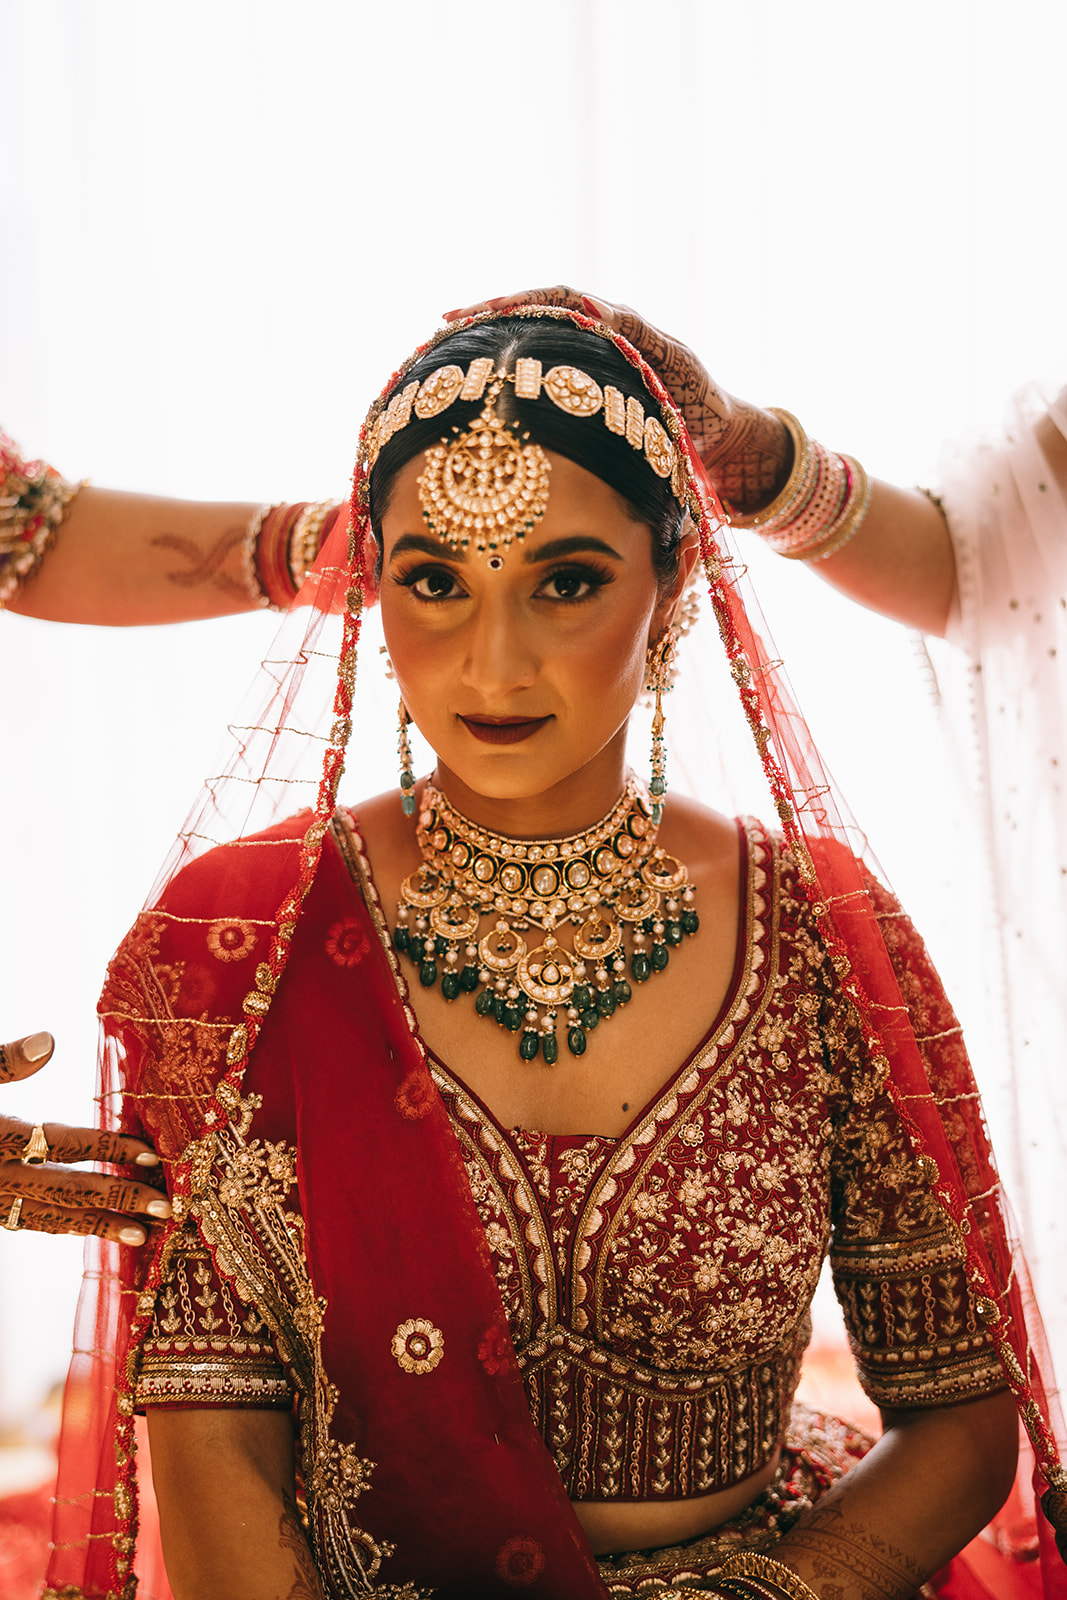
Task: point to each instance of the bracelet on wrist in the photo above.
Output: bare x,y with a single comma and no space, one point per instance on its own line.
281,546
821,507
748,1574
34,499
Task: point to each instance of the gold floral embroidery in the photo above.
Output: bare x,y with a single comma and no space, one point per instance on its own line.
231,940
418,1346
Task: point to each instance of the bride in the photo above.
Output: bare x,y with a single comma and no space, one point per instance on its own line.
508,1117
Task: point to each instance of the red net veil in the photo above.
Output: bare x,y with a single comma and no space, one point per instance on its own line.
263,818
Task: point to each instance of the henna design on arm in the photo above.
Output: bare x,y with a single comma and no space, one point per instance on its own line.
204,567
849,1561
293,1540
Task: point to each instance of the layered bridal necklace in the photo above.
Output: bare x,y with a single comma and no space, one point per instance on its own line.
484,915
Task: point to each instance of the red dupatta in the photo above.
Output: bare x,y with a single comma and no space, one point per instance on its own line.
473,1504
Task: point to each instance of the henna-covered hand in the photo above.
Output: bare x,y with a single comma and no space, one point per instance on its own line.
55,1199
747,452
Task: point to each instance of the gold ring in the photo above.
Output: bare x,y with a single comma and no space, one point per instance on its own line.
12,1221
36,1152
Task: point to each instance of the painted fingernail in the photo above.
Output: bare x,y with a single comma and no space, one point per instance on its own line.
132,1235
147,1158
159,1208
446,316
596,308
37,1046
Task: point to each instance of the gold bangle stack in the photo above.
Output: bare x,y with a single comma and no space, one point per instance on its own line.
305,541
281,545
34,499
822,505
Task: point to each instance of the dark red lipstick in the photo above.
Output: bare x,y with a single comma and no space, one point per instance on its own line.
503,730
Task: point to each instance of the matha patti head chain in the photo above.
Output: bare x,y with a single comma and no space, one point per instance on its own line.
488,485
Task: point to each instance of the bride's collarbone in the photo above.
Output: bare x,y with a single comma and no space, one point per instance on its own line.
628,1058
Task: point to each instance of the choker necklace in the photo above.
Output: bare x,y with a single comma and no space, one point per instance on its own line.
463,914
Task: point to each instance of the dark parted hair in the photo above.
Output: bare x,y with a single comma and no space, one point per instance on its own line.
584,440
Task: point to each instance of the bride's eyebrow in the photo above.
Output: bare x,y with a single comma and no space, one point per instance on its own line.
554,550
574,544
427,545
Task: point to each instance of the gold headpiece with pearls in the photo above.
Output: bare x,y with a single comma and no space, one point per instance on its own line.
489,484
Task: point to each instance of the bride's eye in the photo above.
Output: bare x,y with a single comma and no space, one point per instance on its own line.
573,583
431,583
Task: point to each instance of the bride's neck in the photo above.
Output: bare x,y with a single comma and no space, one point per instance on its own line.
576,803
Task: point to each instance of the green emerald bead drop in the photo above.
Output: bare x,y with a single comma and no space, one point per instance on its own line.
605,1002
529,1045
582,997
427,974
690,921
590,1018
550,1048
402,940
512,1018
622,991
468,980
641,966
499,1007
673,933
576,1041
407,805
450,985
660,957
484,1003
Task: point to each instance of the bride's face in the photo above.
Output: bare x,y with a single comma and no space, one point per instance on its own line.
522,679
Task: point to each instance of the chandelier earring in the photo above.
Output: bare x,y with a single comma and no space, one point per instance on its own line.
659,678
407,776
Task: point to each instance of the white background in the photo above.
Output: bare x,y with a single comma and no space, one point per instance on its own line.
223,225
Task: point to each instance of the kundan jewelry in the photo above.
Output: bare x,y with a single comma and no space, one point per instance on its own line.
463,917
488,485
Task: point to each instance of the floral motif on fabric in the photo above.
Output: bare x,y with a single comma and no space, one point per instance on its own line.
182,1046
520,1561
347,943
657,1286
231,940
415,1095
418,1347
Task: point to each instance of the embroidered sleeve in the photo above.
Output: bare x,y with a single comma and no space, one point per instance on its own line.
206,1346
897,1267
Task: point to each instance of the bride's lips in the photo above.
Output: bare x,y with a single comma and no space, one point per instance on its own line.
503,730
